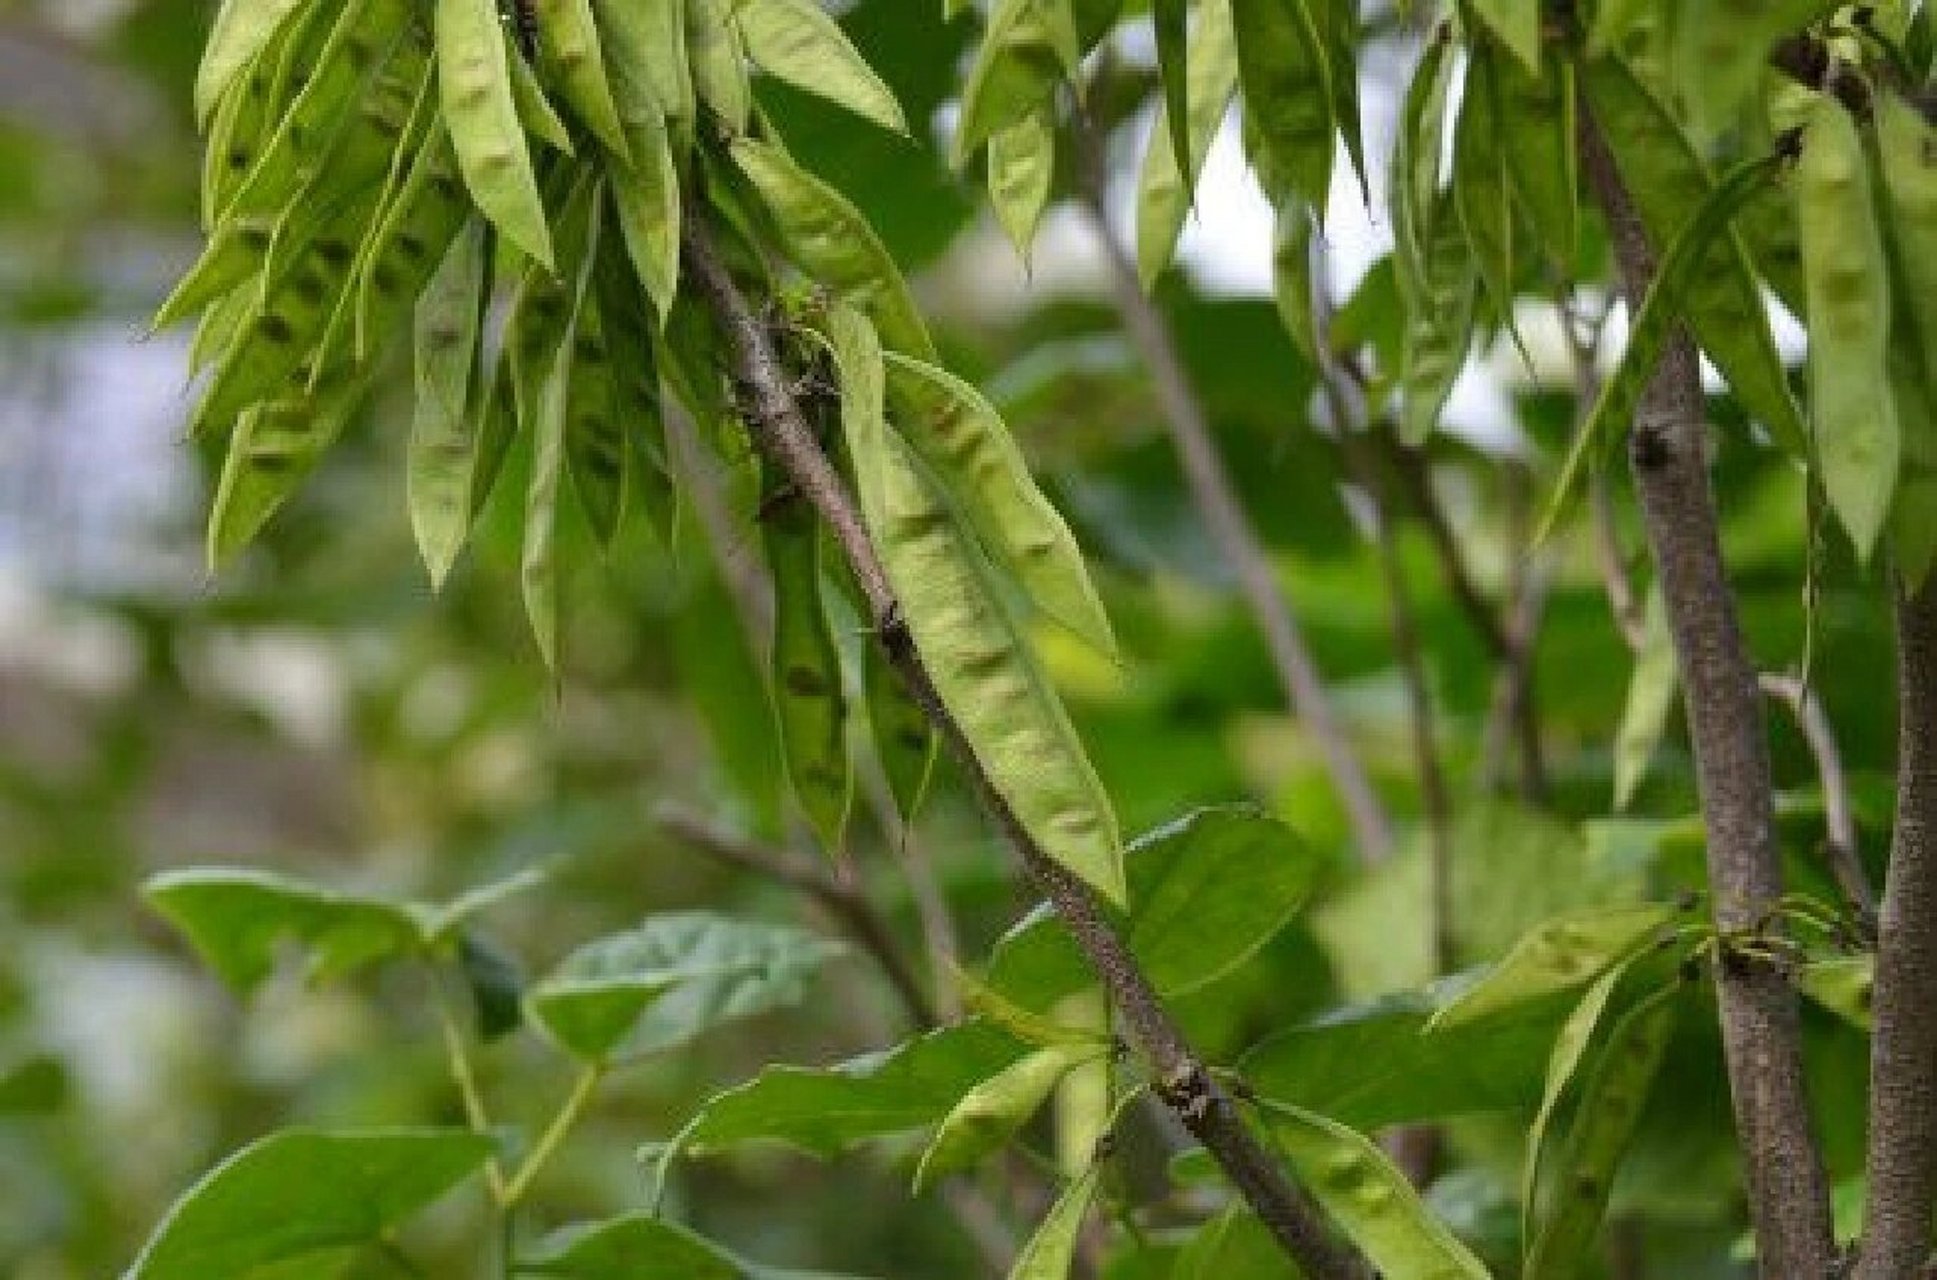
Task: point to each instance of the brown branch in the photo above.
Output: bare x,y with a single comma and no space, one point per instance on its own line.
778,428
841,899
1761,1034
1902,1159
1230,529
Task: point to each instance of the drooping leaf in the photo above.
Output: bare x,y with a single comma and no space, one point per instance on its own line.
1166,181
989,1115
1050,1251
1651,697
1206,892
235,918
795,41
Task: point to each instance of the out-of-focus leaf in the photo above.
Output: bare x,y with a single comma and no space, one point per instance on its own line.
673,977
302,1192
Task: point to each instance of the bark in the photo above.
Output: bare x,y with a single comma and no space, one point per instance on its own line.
1902,1159
1761,1035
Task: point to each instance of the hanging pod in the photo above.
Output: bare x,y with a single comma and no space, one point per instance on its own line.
969,450
443,442
795,41
474,77
1286,74
1029,48
986,675
1847,279
810,703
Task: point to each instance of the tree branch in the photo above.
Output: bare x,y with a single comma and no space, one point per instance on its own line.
1224,518
1902,1158
778,428
1788,1196
841,899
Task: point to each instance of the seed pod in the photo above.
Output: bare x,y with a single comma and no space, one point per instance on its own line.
795,41
1050,1252
1440,298
535,111
273,449
829,239
991,1113
569,39
275,342
904,741
1029,48
475,81
647,39
1610,1111
1372,1202
970,452
985,674
242,30
1565,952
1651,697
1847,278
718,58
626,313
443,439
645,192
357,49
1537,140
1570,1049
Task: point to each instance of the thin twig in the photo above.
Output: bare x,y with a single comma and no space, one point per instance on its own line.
568,1115
1839,821
1230,528
1761,1031
841,899
465,1078
1514,710
775,421
1902,1158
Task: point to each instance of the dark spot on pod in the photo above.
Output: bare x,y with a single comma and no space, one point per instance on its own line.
823,775
1587,1186
239,158
254,239
603,457
447,186
412,246
357,54
589,349
806,682
384,277
298,136
443,337
1864,995
275,462
334,252
309,287
275,328
912,739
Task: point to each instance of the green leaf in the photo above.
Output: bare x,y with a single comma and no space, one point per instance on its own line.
825,1110
1167,179
1517,24
672,978
1651,697
1570,1047
1051,1250
1022,164
639,1247
991,1113
243,28
1171,19
1206,892
1843,986
1286,74
1234,1245
1372,1202
300,1192
1664,171
1565,952
1372,1065
235,917
1028,49
795,41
